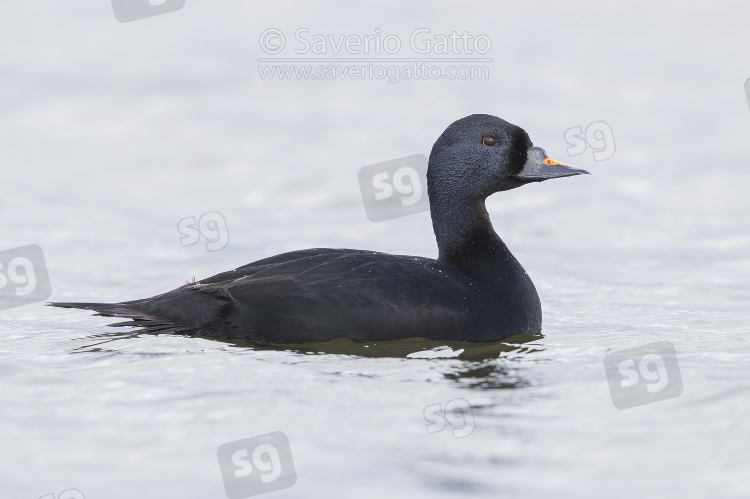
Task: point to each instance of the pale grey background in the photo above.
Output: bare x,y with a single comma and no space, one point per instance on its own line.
110,133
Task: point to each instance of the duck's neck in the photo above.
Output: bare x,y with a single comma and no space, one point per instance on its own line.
464,232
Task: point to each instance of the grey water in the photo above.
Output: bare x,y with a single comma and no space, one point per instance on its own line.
113,133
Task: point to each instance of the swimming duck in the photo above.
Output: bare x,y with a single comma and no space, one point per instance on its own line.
475,291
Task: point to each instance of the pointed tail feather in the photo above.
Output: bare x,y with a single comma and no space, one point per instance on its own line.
106,309
181,310
141,320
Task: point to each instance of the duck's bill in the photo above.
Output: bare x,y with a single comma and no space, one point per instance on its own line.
540,167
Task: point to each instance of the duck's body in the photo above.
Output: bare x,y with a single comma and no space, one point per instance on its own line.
322,294
475,291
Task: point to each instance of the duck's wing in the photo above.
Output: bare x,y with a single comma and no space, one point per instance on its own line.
271,262
313,295
350,294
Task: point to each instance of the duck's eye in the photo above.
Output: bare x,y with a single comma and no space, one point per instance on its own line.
489,141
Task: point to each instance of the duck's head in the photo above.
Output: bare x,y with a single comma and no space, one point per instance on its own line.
482,154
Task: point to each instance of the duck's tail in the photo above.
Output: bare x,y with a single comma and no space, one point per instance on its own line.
129,310
105,309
